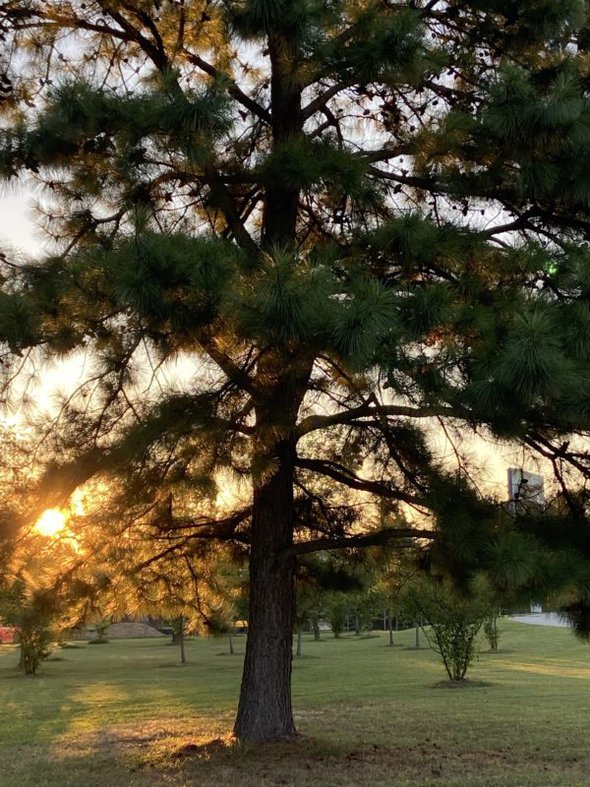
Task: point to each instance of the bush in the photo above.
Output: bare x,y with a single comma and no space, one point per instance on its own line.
34,647
454,618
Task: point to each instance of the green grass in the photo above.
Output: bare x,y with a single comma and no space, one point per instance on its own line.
129,714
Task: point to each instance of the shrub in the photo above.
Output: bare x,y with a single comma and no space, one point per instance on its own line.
34,646
454,619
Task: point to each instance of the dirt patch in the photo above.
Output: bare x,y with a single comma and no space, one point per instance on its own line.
201,750
462,684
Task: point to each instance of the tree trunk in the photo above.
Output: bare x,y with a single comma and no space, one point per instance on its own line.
181,640
315,623
299,641
281,203
264,710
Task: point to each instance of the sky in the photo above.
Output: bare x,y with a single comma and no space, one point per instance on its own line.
17,228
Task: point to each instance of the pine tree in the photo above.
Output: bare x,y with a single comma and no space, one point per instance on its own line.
356,219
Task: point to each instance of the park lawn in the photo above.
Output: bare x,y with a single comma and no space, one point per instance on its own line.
127,713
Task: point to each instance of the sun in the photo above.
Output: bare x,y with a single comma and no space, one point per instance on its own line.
51,522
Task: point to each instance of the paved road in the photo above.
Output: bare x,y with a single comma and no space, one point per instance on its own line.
542,619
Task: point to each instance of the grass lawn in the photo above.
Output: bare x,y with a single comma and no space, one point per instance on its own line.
127,713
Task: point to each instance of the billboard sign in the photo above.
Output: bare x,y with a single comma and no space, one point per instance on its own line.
526,490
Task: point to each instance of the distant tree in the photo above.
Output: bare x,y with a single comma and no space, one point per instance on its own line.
491,630
178,625
354,221
393,571
309,607
17,501
133,578
338,608
39,595
101,627
327,588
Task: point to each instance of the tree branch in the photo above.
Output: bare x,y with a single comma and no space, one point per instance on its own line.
319,103
378,538
235,374
370,410
428,184
233,90
345,476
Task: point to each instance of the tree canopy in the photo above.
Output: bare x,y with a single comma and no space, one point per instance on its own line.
355,222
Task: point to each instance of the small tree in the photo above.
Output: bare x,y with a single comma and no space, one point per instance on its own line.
365,606
337,610
491,630
394,570
326,587
31,613
454,619
34,639
307,610
101,629
178,635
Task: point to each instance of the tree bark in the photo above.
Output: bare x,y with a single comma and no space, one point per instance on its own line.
282,200
181,640
316,628
264,710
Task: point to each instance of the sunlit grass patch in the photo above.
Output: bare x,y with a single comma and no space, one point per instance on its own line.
559,669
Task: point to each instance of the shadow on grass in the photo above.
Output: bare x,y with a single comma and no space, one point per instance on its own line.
200,752
83,689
